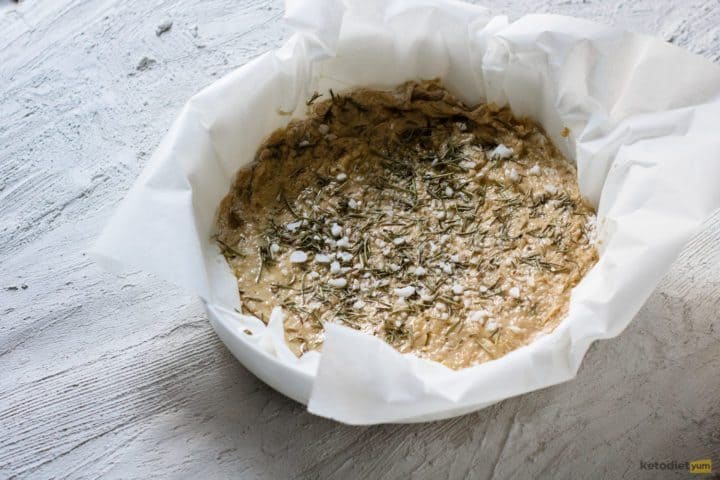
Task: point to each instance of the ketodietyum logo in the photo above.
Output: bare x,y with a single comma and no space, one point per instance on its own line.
696,466
701,466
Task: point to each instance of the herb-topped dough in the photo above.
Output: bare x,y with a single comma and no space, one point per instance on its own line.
452,232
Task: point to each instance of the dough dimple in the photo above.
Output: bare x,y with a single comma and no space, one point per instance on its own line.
452,232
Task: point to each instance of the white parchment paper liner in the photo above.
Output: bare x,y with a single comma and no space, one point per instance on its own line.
643,117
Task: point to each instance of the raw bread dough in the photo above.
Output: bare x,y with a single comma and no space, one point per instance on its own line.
452,232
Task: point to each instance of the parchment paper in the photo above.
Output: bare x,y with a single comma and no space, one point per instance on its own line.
643,117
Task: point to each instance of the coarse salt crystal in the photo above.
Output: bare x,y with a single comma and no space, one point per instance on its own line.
405,292
304,143
292,226
449,191
467,164
337,282
420,271
491,325
345,257
322,258
352,204
535,170
550,188
341,177
513,175
298,256
514,292
274,248
501,152
483,289
394,267
323,129
330,137
399,240
313,275
458,289
336,230
335,268
358,304
343,243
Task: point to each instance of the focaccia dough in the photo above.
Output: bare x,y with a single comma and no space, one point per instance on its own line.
452,232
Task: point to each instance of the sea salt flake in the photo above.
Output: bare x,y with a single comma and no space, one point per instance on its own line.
298,256
322,258
337,282
336,230
501,152
405,292
292,226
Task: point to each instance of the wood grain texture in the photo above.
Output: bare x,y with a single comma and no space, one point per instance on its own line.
122,377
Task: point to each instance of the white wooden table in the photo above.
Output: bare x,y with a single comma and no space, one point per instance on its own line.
107,377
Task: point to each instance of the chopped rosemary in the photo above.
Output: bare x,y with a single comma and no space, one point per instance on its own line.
450,231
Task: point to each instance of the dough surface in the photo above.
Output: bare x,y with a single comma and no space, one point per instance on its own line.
452,232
